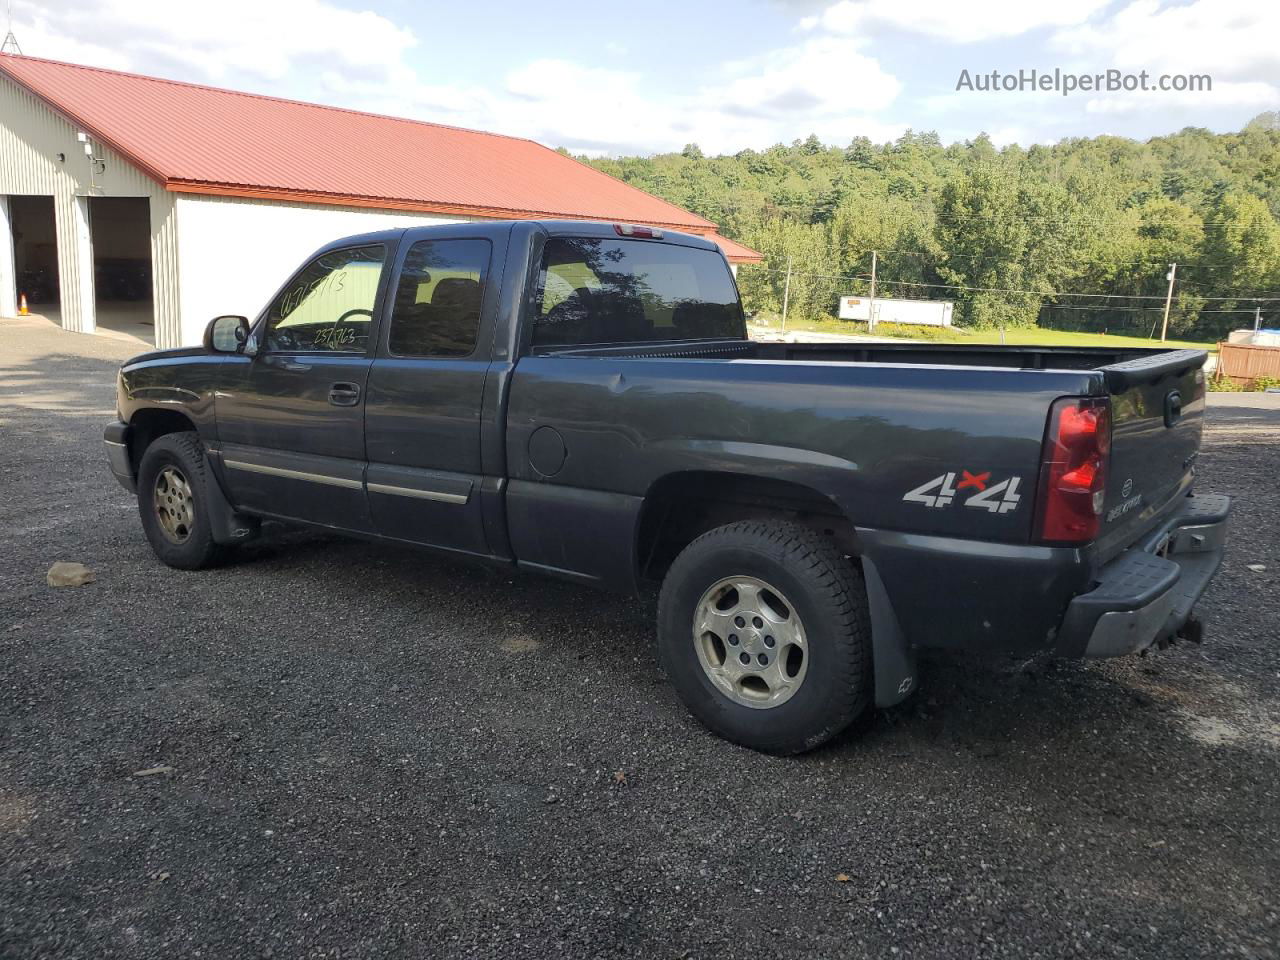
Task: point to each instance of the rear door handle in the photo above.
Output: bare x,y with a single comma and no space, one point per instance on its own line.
344,394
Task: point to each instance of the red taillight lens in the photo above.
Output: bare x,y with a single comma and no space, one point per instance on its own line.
1073,473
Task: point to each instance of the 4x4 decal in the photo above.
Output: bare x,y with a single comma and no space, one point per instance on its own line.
939,492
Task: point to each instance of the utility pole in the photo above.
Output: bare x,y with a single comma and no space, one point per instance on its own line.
1257,317
1168,299
786,295
871,308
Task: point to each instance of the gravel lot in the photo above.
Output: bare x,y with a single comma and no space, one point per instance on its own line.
375,753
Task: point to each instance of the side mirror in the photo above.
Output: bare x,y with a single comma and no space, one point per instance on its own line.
226,334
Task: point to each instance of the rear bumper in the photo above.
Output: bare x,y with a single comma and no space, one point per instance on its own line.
116,439
1146,594
1025,600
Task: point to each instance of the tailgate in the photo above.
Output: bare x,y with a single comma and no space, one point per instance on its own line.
1157,406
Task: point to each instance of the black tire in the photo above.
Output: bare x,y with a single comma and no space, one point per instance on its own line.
184,453
827,591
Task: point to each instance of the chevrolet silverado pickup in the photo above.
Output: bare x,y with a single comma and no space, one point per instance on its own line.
581,399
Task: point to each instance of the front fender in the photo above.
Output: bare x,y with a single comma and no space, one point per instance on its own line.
179,383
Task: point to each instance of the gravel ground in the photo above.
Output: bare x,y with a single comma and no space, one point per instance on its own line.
370,753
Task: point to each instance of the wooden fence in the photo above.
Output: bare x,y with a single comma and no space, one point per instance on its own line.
1245,363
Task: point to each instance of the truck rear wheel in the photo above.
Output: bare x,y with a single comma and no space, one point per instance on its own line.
763,630
173,502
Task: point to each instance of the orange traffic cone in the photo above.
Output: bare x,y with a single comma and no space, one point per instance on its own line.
22,305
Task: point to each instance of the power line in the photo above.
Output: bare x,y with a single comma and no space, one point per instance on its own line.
823,276
1031,218
1077,219
1237,294
1056,293
1115,263
1113,220
1065,306
1039,293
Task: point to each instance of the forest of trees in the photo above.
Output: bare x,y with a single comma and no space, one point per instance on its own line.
1040,232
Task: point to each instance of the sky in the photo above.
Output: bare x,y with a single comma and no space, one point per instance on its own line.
641,78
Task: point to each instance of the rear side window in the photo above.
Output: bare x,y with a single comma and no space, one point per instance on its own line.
437,306
627,291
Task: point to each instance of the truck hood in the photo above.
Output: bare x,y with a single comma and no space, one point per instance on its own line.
176,354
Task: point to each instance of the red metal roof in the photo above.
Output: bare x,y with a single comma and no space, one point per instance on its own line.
736,251
197,139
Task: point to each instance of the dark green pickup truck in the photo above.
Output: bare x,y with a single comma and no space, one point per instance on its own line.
581,399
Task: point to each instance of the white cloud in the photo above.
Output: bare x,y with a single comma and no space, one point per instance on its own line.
823,77
1258,95
1231,41
824,86
251,38
1004,136
314,50
950,20
41,32
827,76
1228,38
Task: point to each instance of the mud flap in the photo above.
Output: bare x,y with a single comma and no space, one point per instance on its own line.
226,525
894,660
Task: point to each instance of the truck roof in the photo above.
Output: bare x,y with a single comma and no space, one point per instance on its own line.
555,228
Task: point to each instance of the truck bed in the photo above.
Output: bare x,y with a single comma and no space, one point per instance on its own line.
877,419
1019,357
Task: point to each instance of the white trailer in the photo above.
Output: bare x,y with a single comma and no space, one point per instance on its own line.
929,313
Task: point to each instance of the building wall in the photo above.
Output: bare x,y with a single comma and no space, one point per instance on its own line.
209,255
235,253
32,135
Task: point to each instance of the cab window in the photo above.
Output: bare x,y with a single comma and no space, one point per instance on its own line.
328,307
437,305
601,291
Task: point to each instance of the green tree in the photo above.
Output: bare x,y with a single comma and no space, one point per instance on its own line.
1028,231
984,236
1246,236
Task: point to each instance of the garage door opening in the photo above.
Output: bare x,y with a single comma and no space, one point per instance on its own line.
35,254
120,228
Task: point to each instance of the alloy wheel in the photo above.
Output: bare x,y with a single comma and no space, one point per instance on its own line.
174,504
750,642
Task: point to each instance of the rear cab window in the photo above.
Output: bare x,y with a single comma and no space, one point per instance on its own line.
436,312
605,291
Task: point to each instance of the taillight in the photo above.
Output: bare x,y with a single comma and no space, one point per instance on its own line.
1073,474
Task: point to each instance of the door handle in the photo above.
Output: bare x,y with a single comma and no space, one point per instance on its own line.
344,394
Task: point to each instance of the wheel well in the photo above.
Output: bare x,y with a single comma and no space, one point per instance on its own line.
147,425
681,507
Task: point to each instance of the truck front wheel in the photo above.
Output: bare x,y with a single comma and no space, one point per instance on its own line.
763,630
173,502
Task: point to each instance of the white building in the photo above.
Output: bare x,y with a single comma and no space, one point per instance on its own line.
153,206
